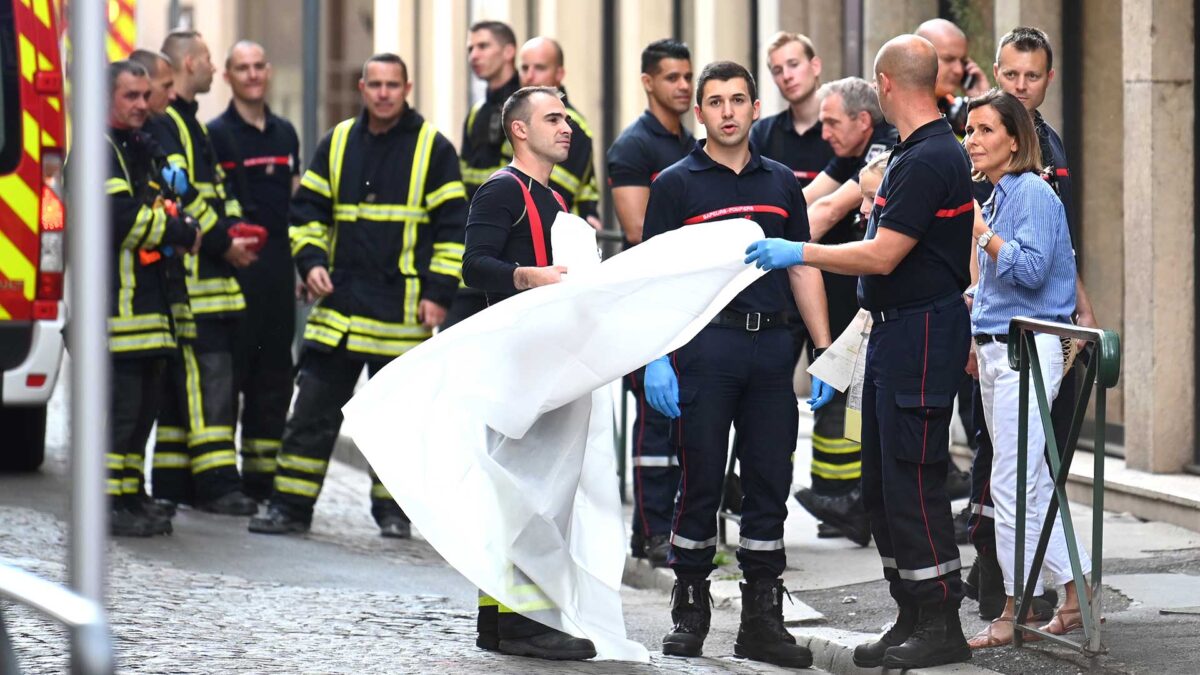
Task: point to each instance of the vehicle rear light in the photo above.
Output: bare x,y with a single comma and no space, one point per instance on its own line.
45,310
35,380
51,223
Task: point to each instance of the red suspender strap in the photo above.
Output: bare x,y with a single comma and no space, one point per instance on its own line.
535,218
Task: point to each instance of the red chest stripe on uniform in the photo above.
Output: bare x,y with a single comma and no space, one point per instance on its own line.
258,161
736,211
1062,172
802,175
880,200
653,176
950,213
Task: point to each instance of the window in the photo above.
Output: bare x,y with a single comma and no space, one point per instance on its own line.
10,100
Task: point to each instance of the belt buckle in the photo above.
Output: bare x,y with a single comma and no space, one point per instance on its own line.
756,325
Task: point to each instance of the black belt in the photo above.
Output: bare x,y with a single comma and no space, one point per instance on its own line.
754,321
984,338
886,315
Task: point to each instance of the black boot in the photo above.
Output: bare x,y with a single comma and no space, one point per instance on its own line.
990,588
971,583
155,517
522,636
487,625
233,503
845,512
958,482
278,521
691,610
871,654
762,635
827,531
962,526
125,523
937,640
657,548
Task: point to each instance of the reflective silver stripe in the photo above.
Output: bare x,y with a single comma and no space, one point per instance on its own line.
684,542
888,562
931,572
759,545
985,511
656,461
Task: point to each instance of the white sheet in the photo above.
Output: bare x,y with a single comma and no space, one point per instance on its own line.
496,436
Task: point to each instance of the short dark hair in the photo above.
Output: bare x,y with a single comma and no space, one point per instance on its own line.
149,59
178,44
1019,124
517,106
724,71
386,57
658,50
119,68
501,31
1027,39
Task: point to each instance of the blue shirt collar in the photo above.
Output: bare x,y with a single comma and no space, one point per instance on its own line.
698,160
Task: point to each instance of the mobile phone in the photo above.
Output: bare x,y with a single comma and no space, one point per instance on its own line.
968,81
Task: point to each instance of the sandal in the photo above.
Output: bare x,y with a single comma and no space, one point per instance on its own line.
1065,621
986,639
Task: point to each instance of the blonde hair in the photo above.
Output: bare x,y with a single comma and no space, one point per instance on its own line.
877,165
783,37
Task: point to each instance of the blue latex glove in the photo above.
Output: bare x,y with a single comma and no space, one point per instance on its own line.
822,393
175,178
775,254
662,387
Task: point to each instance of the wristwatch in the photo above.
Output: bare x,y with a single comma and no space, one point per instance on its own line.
985,238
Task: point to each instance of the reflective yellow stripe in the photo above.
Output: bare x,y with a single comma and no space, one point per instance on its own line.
309,234
331,318
378,491
113,487
114,462
530,598
471,116
447,259
214,286
302,464
185,138
170,435
216,459
366,326
832,446
337,152
477,177
195,396
452,190
837,471
221,303
579,120
379,212
128,283
487,601
135,463
210,435
172,460
296,486
260,445
258,465
129,486
114,186
206,190
233,208
364,345
568,180
412,299
322,335
315,182
118,344
140,322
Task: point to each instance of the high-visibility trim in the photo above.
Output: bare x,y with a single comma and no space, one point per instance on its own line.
217,459
258,465
297,486
172,460
452,190
471,116
118,344
114,462
378,491
315,182
684,542
330,317
213,286
233,208
832,446
364,345
215,304
134,462
487,601
112,487
447,259
302,464
982,510
140,322
207,190
387,213
950,213
374,328
420,164
568,180
337,152
210,435
170,435
412,295
322,335
260,445
194,394
927,573
836,471
185,137
740,210
655,461
579,120
528,598
477,177
115,186
125,266
129,486
760,545
312,233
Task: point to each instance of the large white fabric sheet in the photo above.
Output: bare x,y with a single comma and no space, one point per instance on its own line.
496,436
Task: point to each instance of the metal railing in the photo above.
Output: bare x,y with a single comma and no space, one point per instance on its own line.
91,647
1103,370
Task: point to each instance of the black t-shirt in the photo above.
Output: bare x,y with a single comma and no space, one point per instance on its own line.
261,165
643,150
926,195
805,154
1056,171
697,190
498,237
842,169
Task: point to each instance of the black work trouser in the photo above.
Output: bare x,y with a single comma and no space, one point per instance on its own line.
136,383
655,465
326,382
263,362
733,376
913,368
467,303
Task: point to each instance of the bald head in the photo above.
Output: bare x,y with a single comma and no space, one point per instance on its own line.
951,44
910,62
540,63
935,30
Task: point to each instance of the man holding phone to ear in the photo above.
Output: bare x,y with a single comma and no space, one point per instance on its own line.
956,72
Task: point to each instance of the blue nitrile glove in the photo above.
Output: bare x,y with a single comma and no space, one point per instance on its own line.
175,178
775,254
662,387
822,393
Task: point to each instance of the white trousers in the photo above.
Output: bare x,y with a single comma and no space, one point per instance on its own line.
1000,387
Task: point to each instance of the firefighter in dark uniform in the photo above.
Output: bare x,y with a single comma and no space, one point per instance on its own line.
738,370
140,331
657,139
855,129
541,65
209,477
377,228
492,53
1024,68
508,251
913,267
261,152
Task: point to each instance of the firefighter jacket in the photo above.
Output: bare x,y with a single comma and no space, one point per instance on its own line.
575,178
211,282
139,321
384,214
485,148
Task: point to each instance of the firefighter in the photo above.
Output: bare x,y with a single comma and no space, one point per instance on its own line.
957,72
262,153
376,233
574,178
492,53
215,298
140,330
508,251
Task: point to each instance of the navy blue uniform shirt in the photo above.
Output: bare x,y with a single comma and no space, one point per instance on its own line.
697,190
805,154
260,164
643,150
925,194
842,169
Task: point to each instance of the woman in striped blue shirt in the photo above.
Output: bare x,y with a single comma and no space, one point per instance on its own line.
1026,268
